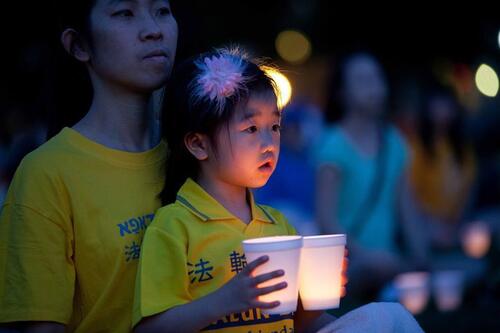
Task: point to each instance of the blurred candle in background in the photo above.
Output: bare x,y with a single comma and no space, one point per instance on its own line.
413,290
476,239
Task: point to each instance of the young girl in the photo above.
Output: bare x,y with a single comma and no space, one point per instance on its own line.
72,223
222,125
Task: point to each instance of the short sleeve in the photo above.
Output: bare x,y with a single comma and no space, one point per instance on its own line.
37,275
162,275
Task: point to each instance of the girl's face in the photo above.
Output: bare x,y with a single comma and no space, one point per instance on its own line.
247,152
133,42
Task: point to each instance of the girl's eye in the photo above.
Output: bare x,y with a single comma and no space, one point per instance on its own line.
276,128
251,129
123,13
164,11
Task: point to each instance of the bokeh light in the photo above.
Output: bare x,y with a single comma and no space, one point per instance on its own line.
476,240
293,46
284,88
487,80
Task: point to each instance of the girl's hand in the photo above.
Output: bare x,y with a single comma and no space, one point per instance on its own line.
344,279
241,292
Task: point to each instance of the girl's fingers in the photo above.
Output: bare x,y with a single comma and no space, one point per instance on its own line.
265,305
254,264
267,276
270,289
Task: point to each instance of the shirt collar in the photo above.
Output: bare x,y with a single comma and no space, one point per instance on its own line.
200,203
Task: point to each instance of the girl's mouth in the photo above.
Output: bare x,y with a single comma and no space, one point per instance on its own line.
266,166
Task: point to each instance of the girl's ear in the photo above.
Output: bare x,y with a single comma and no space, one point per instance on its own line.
73,44
198,145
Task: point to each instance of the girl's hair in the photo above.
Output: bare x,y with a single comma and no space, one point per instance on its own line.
201,96
73,89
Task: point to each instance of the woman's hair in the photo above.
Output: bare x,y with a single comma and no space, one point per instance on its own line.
73,89
334,107
75,15
201,97
455,133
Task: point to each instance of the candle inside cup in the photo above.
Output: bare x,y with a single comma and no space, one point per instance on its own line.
321,271
284,253
413,290
448,289
476,240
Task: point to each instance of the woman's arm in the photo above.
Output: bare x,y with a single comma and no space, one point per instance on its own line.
327,192
327,188
413,226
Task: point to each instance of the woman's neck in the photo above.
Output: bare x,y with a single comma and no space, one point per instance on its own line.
121,120
233,198
358,124
363,132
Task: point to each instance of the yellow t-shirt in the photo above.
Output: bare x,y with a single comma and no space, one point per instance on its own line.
192,248
441,184
70,233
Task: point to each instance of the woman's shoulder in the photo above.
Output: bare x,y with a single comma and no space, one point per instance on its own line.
50,154
44,161
332,147
396,138
333,133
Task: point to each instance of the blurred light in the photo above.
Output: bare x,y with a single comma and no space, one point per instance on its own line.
487,80
476,240
413,290
284,88
293,46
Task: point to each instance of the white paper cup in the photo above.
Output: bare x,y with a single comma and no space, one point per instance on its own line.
284,253
321,271
447,289
413,290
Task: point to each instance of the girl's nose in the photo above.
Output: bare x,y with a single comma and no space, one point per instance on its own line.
267,142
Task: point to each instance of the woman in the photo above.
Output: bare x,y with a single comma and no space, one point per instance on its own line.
70,232
361,183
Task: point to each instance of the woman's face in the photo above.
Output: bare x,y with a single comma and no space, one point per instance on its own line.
442,112
133,43
365,88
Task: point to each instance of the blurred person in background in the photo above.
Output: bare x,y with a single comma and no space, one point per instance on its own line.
443,169
362,182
